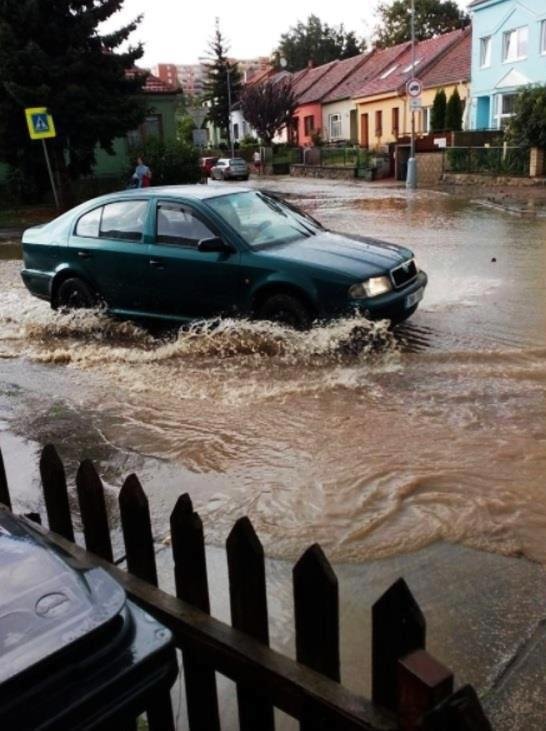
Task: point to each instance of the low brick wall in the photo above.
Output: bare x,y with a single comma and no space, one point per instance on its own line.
492,180
430,167
322,171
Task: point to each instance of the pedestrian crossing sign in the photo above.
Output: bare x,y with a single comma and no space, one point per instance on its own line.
40,123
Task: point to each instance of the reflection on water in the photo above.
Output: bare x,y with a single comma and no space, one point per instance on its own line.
371,442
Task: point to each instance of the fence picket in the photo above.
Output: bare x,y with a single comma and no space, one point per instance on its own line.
55,492
248,600
398,628
316,610
190,571
93,511
137,530
139,550
4,490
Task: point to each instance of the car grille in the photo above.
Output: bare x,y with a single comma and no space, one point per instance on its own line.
404,273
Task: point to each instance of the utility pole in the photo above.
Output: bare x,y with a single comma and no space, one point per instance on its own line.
411,176
230,135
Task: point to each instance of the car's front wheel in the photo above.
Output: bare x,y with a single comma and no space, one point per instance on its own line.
75,294
286,310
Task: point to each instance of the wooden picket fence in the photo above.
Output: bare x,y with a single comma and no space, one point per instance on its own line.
410,689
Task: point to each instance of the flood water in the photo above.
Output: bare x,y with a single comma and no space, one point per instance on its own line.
369,441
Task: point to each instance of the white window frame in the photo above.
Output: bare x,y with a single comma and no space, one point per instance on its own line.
334,119
389,71
485,52
543,37
412,66
507,44
426,119
499,114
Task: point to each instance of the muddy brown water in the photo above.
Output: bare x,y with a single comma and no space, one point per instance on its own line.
367,441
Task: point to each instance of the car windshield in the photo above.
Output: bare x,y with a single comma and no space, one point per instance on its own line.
262,220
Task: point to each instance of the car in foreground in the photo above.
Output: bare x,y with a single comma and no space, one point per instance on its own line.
230,168
206,164
190,252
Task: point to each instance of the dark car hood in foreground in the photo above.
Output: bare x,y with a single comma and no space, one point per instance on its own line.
355,256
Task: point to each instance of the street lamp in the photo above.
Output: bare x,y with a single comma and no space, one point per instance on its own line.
230,134
411,175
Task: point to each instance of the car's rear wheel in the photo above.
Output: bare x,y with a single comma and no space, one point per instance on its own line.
286,310
75,294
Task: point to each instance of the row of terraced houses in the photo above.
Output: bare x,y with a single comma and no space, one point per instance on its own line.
363,100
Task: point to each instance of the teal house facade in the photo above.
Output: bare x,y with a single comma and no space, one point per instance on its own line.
508,53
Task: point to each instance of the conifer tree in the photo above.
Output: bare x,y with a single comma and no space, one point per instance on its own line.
53,55
221,71
454,112
438,114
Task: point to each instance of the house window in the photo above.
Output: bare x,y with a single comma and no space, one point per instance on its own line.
515,44
235,131
151,127
335,126
308,124
505,107
389,71
412,65
378,124
485,52
543,37
426,118
395,120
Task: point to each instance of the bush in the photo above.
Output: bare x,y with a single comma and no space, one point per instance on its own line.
171,163
527,128
249,141
22,187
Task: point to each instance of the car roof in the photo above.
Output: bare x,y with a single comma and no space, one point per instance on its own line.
199,192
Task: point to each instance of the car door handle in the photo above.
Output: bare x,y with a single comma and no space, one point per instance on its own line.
84,255
157,263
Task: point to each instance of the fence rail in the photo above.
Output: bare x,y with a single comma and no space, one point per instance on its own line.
411,690
512,161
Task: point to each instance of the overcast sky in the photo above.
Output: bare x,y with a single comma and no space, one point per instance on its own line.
177,31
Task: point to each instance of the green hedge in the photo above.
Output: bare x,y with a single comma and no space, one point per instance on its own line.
171,163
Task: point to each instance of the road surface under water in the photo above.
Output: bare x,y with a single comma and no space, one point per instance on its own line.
368,441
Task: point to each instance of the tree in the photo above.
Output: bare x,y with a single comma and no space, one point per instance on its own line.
185,126
221,72
527,128
454,112
438,114
52,55
432,18
318,42
269,107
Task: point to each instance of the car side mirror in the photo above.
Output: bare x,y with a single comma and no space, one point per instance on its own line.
214,244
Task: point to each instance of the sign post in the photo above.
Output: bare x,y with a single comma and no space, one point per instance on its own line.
413,88
41,127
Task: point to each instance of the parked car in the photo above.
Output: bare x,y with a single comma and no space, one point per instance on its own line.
230,168
205,164
189,252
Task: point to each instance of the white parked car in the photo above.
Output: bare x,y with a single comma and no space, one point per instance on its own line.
230,168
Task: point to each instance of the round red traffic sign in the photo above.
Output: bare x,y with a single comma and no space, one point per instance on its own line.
414,87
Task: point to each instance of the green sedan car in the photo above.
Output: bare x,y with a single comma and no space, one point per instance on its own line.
183,253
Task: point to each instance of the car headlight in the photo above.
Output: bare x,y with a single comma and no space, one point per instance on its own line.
370,288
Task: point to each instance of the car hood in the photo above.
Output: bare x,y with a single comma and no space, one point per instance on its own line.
356,256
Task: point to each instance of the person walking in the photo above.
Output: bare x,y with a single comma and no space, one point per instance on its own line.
257,160
142,175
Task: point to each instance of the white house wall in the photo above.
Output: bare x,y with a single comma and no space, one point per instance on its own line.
343,107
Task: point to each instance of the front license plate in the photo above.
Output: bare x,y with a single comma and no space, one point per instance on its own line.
414,298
